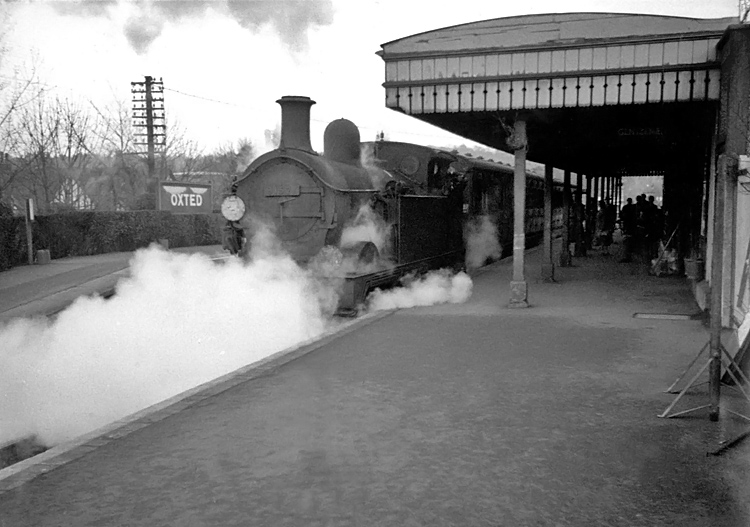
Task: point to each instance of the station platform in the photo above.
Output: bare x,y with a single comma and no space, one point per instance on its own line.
455,414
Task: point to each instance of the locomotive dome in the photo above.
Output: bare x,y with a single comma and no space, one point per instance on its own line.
341,142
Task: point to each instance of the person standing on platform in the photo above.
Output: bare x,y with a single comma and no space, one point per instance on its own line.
604,228
628,217
654,228
611,216
641,215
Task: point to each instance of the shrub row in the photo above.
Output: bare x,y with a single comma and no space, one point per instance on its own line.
88,233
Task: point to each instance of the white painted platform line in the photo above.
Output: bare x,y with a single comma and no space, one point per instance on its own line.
667,316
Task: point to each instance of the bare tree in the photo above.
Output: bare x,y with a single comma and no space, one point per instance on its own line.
16,93
125,177
68,156
52,141
273,137
231,159
182,156
219,168
38,127
71,154
121,177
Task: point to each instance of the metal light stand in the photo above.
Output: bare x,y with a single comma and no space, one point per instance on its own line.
714,364
726,362
717,352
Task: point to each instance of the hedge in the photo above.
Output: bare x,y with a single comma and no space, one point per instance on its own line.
88,233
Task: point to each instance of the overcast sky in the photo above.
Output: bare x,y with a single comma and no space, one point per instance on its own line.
224,63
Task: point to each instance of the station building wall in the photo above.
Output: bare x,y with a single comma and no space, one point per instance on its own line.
733,139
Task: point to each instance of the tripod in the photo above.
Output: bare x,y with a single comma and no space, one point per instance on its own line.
730,366
714,364
718,355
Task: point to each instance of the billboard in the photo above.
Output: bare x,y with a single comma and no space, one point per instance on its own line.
180,197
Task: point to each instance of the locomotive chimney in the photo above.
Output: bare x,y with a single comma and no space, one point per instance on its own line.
295,122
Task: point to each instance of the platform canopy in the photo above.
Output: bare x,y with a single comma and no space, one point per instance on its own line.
600,92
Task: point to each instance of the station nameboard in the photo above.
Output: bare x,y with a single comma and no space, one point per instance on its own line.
181,197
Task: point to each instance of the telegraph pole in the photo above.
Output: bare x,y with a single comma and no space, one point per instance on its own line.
149,119
150,127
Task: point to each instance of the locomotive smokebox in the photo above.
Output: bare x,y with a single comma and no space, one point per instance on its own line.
295,122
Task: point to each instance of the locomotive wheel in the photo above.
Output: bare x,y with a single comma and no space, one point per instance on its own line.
368,253
365,253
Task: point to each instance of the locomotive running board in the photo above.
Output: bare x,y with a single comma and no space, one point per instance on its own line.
355,288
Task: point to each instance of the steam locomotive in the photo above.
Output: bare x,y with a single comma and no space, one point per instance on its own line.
370,213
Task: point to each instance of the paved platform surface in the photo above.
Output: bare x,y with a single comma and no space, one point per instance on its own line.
469,414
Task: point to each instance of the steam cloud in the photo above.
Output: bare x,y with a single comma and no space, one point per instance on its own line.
335,263
290,18
367,226
437,287
482,242
177,322
369,162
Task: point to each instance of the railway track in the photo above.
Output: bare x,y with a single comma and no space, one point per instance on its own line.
16,451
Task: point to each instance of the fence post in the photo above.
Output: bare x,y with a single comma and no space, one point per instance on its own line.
29,234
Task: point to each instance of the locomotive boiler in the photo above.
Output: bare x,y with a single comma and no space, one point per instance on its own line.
314,202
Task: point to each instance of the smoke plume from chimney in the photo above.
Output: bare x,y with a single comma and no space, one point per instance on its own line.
289,18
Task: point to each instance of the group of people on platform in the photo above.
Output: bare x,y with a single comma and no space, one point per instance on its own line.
642,225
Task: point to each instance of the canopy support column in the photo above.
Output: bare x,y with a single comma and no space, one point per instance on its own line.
590,211
548,267
580,216
518,286
565,253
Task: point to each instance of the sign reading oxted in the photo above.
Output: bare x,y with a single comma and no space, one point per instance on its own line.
185,198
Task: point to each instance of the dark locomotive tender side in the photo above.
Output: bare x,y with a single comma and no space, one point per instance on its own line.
489,186
423,195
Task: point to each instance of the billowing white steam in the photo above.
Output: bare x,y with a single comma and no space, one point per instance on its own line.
367,226
289,18
482,243
335,263
177,322
367,159
437,287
